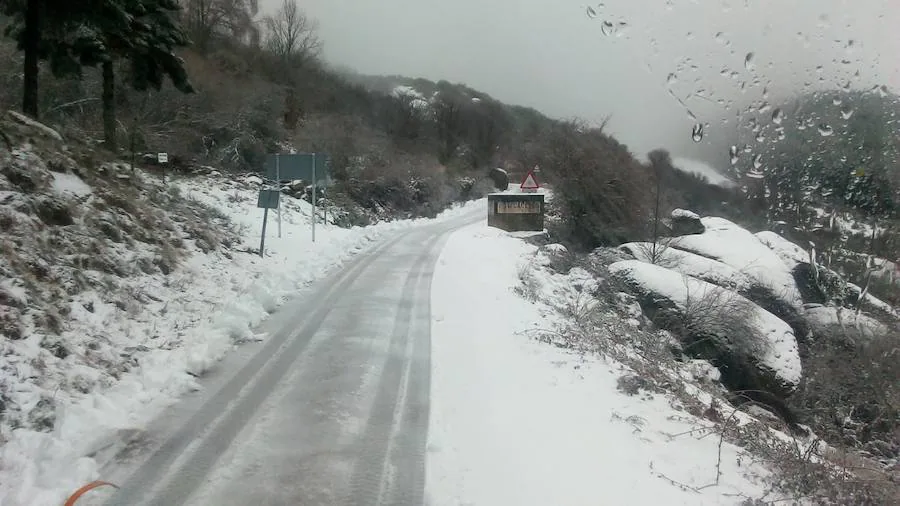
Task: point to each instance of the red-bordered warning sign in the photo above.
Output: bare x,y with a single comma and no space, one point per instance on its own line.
530,183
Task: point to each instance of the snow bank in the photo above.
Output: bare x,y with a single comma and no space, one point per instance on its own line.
733,245
778,346
517,422
168,330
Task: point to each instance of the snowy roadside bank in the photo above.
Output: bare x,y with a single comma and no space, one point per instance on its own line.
516,421
181,324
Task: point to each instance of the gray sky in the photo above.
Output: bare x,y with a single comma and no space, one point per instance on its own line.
551,55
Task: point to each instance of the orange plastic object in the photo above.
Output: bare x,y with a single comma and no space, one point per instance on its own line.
85,489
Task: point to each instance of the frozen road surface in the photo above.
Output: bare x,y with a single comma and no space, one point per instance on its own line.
333,407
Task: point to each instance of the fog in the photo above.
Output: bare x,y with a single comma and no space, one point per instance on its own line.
664,64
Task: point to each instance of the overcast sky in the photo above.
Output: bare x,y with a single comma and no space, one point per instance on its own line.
551,55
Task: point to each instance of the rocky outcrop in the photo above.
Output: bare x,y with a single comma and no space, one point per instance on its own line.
753,348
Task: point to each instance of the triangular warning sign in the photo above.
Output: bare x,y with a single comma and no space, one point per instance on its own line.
529,183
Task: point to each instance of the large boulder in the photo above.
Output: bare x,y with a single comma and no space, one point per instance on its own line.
500,178
686,223
773,286
754,349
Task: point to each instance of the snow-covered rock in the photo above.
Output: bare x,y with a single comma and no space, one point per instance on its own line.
686,222
674,297
737,247
689,263
791,254
831,320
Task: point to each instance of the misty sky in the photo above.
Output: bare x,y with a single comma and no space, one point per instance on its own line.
551,55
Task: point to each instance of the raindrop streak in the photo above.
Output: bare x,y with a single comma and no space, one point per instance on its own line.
777,116
697,133
748,61
825,130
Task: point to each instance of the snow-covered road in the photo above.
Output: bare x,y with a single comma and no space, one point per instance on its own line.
332,409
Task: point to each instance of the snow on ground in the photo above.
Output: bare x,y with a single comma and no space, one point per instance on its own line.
736,246
515,421
779,351
188,321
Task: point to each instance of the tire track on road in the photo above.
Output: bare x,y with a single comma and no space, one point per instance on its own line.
391,464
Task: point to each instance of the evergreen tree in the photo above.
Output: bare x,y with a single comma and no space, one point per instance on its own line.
74,34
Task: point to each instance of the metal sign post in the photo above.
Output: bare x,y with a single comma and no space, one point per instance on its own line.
262,237
314,197
278,185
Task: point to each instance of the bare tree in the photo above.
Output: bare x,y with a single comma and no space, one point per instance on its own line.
291,35
660,161
207,19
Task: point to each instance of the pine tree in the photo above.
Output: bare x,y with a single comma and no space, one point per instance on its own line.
73,34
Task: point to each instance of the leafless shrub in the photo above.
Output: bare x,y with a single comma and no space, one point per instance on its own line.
530,286
656,252
719,314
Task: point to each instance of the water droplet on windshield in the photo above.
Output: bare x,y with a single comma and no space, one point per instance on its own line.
672,79
733,153
757,161
607,28
697,133
748,61
825,130
837,101
846,112
591,13
777,116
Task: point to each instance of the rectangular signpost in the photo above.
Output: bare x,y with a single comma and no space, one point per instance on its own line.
268,199
311,167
